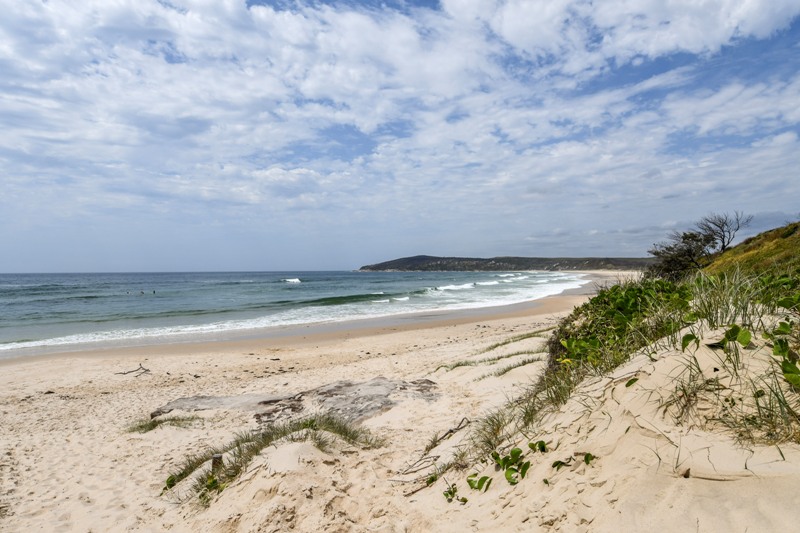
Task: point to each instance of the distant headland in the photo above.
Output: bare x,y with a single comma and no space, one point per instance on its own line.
432,263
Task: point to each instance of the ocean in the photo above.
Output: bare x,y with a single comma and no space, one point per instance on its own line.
41,313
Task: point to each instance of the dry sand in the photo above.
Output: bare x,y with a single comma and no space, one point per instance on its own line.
68,463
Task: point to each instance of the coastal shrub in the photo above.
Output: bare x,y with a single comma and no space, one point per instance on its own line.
681,255
619,320
684,253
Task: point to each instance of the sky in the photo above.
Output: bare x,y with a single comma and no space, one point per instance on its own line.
191,135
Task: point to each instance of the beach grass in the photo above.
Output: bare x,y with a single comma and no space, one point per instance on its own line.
491,360
515,338
517,364
320,429
648,315
149,424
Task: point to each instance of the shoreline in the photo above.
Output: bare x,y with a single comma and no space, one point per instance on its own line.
281,336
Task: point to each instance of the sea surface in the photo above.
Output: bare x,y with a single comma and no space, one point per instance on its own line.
42,313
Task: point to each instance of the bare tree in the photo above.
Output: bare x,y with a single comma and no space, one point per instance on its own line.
722,228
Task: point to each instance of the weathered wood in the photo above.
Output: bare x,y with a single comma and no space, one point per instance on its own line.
141,370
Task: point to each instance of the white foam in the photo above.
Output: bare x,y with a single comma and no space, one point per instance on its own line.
448,297
463,287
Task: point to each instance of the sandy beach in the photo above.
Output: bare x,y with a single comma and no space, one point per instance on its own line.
68,461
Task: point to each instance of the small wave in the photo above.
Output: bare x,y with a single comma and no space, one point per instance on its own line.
402,299
291,280
463,287
381,301
488,283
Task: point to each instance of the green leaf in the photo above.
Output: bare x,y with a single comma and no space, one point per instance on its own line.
744,337
789,302
450,493
511,475
631,382
781,347
539,445
523,469
732,333
479,484
688,339
588,458
515,454
789,368
171,482
793,379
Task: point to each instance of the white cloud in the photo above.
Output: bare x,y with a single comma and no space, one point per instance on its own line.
449,127
738,108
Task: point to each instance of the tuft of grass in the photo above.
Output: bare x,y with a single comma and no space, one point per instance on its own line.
145,425
432,443
245,446
476,362
508,368
763,411
491,360
690,386
730,298
490,432
516,338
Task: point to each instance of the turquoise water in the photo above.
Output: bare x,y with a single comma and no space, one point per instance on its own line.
46,312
